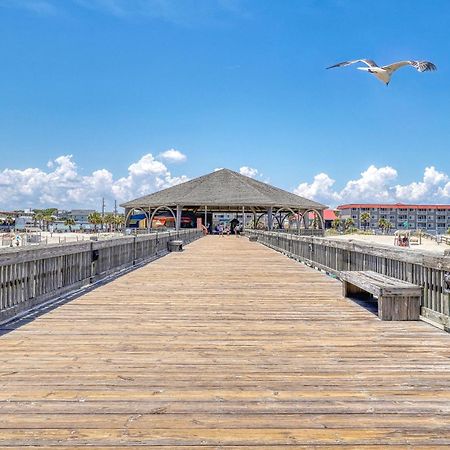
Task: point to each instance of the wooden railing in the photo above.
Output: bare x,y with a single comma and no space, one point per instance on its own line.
423,268
32,276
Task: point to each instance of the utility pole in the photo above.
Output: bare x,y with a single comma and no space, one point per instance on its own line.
115,207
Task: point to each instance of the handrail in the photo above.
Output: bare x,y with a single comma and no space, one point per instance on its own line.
425,269
32,276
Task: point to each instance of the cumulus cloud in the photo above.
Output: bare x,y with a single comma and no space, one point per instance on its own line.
378,185
173,155
320,188
249,171
433,186
63,186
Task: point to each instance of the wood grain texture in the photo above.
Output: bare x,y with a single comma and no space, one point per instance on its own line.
225,345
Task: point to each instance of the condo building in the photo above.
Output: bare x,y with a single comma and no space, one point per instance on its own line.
430,218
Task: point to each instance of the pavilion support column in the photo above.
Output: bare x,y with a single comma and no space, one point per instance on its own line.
149,219
206,216
178,218
298,221
322,219
243,218
127,219
270,219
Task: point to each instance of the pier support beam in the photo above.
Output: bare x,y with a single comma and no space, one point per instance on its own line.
178,217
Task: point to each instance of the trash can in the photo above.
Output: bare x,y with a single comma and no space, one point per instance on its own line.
253,238
175,246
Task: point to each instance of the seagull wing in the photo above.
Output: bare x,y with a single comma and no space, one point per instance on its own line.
421,66
367,62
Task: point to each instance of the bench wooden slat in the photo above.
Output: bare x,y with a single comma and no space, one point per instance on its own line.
397,299
378,284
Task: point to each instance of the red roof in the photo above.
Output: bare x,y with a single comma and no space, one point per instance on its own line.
328,214
392,206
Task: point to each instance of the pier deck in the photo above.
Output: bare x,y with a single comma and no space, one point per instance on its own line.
228,344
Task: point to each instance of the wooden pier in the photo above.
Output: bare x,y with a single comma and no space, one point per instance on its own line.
228,344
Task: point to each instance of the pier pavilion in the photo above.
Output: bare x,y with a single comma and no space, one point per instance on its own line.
227,191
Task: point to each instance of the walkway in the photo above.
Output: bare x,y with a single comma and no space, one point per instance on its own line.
226,344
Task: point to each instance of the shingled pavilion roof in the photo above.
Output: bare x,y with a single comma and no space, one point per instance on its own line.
224,190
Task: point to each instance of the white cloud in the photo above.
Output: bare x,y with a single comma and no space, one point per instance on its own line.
430,187
378,185
249,171
374,183
63,186
173,155
320,189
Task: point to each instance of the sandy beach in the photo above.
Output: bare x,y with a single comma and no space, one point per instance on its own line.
426,244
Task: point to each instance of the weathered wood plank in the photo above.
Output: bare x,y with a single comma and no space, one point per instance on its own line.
225,345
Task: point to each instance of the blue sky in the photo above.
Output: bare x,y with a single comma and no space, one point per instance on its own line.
227,83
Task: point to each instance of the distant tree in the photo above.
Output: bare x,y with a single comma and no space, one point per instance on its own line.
365,220
8,220
110,221
336,224
349,224
48,219
69,222
96,219
383,224
38,217
119,221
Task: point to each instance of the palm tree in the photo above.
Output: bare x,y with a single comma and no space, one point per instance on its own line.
48,219
119,221
349,223
388,225
96,219
109,220
38,217
365,219
69,222
382,224
336,224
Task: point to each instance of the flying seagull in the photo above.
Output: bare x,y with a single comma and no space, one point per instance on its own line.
384,73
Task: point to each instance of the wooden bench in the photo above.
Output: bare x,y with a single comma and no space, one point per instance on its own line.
397,299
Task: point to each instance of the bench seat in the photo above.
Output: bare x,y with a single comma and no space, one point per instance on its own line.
397,299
